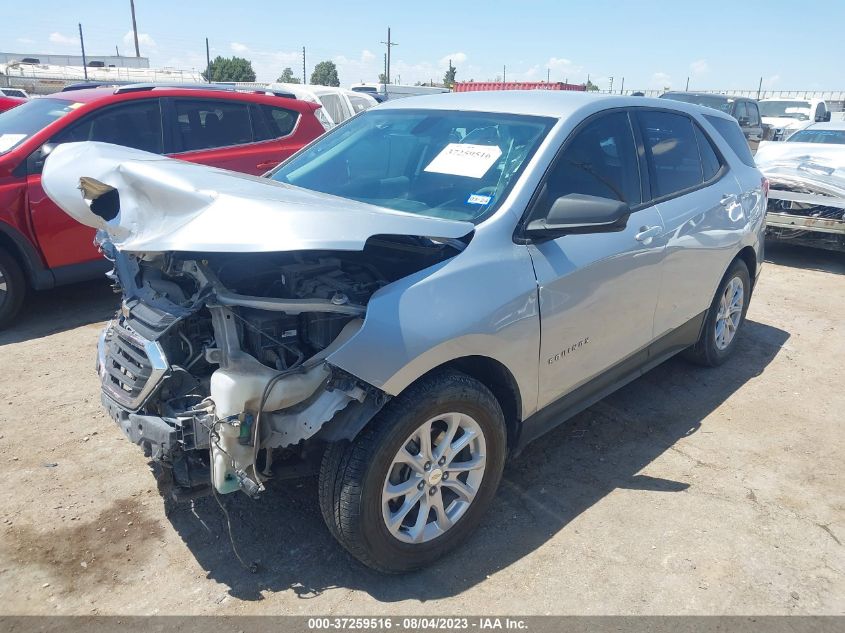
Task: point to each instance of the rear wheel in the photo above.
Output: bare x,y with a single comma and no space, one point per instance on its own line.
724,318
419,478
12,288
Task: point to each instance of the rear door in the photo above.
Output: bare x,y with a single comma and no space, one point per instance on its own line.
63,240
698,201
237,135
598,291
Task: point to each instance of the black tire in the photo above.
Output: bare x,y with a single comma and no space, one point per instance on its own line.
12,299
352,474
705,351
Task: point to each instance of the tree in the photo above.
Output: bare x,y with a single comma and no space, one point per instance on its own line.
229,69
590,86
287,77
449,77
382,78
325,74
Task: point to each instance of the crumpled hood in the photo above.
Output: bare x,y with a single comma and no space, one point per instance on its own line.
171,205
816,166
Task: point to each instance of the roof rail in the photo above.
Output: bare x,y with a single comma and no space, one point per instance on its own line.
151,86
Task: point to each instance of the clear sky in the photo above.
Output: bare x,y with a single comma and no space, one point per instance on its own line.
719,44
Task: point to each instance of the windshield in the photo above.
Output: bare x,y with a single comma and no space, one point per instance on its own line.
457,165
18,124
717,103
834,137
792,109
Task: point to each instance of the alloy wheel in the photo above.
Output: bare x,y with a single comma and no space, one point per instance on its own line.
434,478
730,313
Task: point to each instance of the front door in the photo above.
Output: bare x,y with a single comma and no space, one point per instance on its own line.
598,291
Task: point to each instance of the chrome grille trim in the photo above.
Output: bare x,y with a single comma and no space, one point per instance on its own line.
130,367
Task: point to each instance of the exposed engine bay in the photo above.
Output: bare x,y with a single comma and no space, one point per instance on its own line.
216,365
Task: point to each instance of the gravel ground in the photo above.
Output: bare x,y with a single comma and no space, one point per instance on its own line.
690,491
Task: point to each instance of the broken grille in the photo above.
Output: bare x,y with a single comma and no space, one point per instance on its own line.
130,367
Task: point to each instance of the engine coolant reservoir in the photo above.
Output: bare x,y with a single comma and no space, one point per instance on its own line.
226,450
238,386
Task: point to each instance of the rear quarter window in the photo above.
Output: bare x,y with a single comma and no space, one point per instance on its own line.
731,132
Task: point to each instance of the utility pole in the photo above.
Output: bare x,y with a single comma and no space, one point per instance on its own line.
303,67
622,89
548,75
504,74
116,51
207,62
611,84
134,28
389,44
687,88
759,87
82,44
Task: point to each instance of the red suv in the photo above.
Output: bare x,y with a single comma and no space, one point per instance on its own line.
40,245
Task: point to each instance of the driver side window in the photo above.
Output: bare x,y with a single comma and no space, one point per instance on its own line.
601,160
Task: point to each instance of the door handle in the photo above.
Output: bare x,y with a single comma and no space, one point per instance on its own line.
647,233
728,199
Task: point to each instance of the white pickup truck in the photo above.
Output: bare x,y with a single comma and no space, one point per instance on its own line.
786,116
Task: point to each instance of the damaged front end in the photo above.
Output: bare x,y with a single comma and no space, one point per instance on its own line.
806,195
218,362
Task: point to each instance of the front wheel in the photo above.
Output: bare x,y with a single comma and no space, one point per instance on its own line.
419,478
724,318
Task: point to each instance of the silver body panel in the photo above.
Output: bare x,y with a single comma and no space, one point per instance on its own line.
518,304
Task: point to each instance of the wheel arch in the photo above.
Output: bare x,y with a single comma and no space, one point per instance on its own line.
749,256
14,243
498,379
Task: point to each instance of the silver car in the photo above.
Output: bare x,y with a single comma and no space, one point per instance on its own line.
409,300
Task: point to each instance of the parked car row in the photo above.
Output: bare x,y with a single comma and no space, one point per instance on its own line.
773,119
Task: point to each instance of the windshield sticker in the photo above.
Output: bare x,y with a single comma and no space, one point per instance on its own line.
8,141
464,159
479,199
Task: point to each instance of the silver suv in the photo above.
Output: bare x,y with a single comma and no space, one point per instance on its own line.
413,297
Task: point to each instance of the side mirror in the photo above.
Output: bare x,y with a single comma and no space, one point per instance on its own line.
35,161
744,121
824,118
580,213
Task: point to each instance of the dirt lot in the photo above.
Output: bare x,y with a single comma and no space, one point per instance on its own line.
689,491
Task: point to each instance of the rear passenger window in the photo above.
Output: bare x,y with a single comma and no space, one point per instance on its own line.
135,124
335,107
709,159
729,130
359,104
601,160
671,151
204,124
281,120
